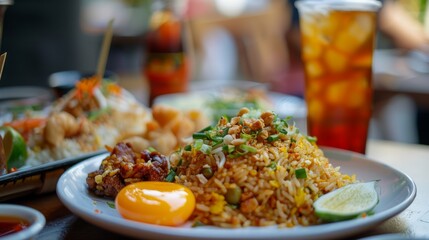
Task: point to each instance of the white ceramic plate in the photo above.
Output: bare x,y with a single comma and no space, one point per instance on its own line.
397,193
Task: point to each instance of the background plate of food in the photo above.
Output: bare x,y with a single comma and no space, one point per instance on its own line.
220,101
76,126
253,177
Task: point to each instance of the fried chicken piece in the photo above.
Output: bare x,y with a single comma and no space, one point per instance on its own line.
125,166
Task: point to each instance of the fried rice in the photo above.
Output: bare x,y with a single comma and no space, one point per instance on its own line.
255,170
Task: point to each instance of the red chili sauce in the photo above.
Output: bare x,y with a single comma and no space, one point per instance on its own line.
9,225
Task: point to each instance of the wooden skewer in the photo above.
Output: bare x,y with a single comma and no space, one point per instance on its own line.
2,61
102,59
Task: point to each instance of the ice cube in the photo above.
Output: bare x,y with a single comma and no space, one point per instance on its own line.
359,90
311,50
335,61
314,87
314,69
359,30
337,92
308,28
329,26
315,109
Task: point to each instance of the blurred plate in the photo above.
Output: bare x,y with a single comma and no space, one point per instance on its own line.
284,105
38,179
20,98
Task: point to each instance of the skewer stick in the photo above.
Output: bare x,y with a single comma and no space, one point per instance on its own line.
2,61
102,59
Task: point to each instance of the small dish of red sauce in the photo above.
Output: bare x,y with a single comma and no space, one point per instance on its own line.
9,225
19,222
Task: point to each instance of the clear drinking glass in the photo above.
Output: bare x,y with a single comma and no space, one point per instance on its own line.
337,48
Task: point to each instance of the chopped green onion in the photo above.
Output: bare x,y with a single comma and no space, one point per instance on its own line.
207,172
97,113
206,129
198,143
217,139
273,165
245,136
284,131
311,139
228,148
199,135
170,176
111,204
198,224
151,149
225,131
233,206
273,138
188,148
300,173
293,140
248,148
205,149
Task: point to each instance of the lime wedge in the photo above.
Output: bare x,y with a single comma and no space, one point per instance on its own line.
348,202
15,148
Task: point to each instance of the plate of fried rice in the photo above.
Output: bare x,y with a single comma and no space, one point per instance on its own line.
261,154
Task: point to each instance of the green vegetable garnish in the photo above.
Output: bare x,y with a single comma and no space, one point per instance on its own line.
228,148
208,128
199,135
205,149
273,138
311,139
111,204
170,176
246,136
248,148
198,144
92,116
273,165
151,149
198,224
301,173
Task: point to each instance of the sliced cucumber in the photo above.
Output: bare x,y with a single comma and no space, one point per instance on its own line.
348,202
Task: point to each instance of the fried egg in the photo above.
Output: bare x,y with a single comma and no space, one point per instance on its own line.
161,203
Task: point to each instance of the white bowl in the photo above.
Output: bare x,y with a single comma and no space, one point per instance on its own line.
35,219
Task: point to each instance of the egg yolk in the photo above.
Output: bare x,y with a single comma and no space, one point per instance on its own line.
161,203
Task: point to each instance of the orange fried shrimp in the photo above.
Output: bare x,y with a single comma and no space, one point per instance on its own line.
138,144
164,115
59,126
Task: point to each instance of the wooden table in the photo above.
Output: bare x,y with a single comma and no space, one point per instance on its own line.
414,221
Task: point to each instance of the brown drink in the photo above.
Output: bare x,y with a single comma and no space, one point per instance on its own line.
337,48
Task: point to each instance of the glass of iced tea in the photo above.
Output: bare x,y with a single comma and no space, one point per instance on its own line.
337,47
